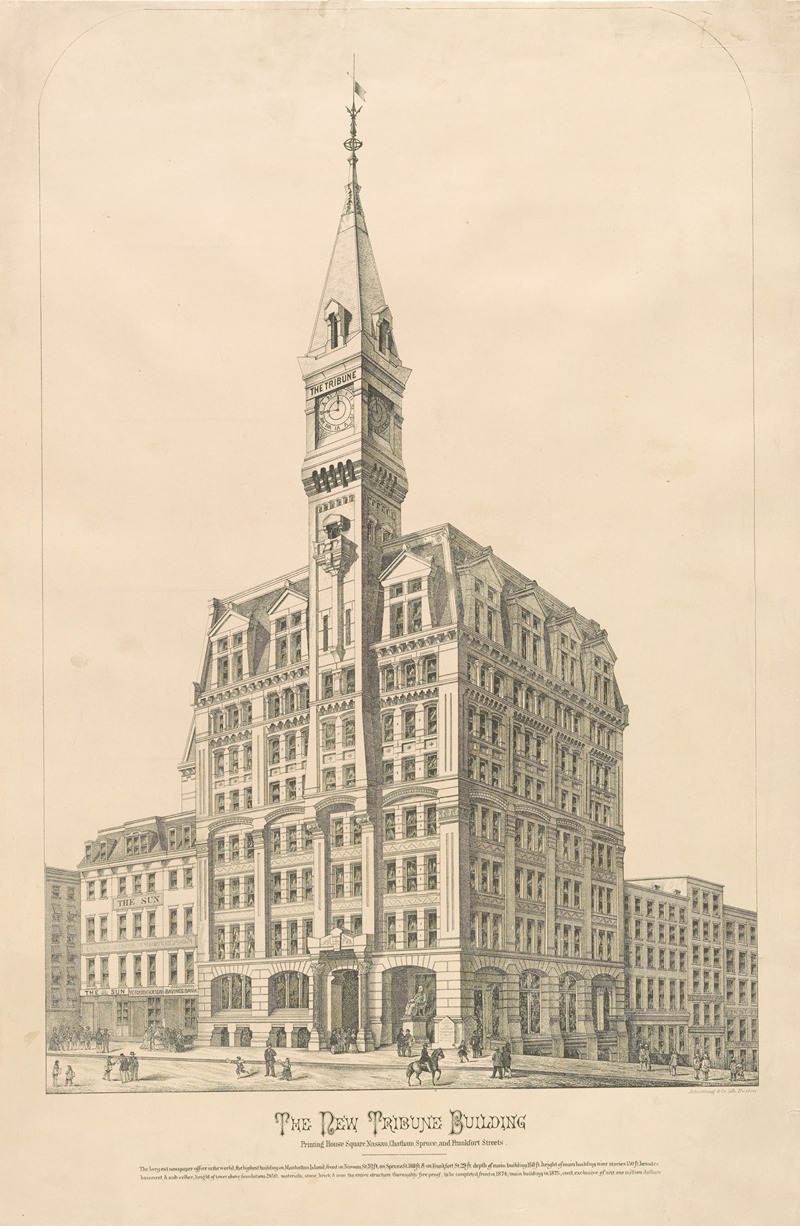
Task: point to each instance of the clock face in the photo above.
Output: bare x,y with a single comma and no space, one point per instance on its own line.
380,412
336,410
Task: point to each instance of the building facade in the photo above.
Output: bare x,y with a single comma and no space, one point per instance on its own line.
405,759
402,784
741,987
138,942
692,974
62,948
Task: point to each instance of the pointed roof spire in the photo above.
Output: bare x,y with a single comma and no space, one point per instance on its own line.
352,282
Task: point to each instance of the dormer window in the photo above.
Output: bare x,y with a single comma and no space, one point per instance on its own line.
385,336
281,643
570,669
602,680
405,614
338,321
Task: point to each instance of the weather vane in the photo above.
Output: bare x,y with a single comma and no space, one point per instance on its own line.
352,144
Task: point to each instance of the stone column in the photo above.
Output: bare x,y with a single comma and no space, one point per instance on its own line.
585,1018
367,875
510,915
550,1014
203,933
364,1040
512,1007
320,882
450,877
550,892
618,1022
317,991
261,859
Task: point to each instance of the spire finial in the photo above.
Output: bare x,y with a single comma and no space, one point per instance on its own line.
353,144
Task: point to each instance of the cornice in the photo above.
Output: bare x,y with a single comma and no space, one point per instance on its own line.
397,698
400,794
499,653
428,638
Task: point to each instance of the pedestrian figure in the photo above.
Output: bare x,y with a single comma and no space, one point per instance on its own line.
506,1059
476,1045
286,1071
108,1068
133,1067
696,1065
123,1066
497,1064
673,1064
56,1073
69,1076
734,1068
424,1058
706,1066
463,1055
269,1059
409,1043
240,1069
642,1058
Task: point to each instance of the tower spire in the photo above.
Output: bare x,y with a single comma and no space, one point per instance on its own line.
353,144
352,303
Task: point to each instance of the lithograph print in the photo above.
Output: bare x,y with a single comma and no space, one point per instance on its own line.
396,855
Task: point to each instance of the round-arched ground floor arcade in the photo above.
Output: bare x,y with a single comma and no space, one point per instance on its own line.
356,1000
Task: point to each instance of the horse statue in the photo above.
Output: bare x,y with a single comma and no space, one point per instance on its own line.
415,1068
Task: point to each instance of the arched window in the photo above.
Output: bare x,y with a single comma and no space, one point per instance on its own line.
530,1002
231,992
288,702
288,990
568,1004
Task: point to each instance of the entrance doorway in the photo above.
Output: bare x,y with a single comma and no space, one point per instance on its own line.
344,1001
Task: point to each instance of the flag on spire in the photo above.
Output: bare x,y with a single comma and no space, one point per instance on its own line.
362,93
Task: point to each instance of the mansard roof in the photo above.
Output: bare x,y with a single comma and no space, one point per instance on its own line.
258,602
455,551
114,837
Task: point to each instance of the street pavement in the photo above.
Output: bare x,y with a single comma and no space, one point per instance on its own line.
214,1069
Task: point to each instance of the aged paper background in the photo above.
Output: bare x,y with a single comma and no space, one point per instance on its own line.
503,337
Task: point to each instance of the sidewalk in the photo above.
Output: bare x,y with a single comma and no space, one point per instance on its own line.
387,1057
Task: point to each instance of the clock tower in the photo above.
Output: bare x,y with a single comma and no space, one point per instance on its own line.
354,478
